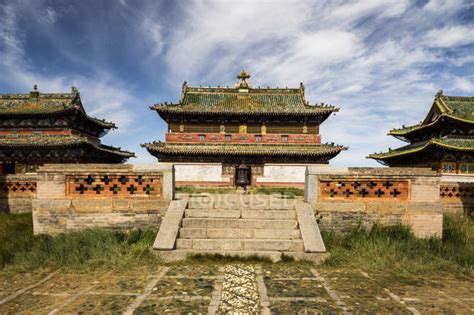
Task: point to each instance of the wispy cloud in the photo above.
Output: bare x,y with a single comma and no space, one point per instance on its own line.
373,58
450,36
105,97
380,61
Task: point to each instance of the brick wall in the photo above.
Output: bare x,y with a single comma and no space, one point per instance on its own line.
17,193
72,197
457,194
177,137
344,198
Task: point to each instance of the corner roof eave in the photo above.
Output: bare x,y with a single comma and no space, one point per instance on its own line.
408,151
103,123
408,130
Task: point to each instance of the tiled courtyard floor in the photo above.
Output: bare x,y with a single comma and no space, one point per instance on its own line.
202,288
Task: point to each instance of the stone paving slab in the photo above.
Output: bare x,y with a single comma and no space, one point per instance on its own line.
199,287
12,282
29,303
99,304
120,284
174,306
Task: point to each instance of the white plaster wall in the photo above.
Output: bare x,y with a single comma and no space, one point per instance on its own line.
199,172
276,173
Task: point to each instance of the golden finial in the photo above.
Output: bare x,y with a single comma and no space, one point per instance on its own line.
243,76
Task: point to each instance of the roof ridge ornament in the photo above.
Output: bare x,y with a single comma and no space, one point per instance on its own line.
439,94
34,95
243,76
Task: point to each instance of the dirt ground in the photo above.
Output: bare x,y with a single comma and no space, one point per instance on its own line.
196,288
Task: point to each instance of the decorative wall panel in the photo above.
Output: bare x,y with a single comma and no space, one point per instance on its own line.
456,192
91,186
348,189
18,189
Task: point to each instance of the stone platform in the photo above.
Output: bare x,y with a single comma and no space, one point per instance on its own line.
266,226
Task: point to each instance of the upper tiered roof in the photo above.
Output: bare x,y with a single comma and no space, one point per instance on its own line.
53,127
457,108
457,112
43,141
36,103
243,100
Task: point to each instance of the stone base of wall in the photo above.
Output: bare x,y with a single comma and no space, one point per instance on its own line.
425,219
16,205
60,215
17,192
459,208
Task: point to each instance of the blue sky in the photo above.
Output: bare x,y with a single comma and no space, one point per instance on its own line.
381,61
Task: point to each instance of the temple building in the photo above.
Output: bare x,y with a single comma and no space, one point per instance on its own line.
255,132
443,141
38,128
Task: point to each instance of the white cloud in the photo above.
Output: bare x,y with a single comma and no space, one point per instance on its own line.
450,36
103,96
152,30
463,84
444,6
369,57
10,45
380,61
353,10
48,16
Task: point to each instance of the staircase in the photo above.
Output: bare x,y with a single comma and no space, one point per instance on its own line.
241,225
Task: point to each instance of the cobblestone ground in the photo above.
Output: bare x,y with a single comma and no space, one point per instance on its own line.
242,288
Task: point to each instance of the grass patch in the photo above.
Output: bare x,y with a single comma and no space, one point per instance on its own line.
20,249
200,190
384,248
395,248
285,191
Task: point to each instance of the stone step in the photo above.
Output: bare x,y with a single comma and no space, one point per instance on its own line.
274,256
241,244
215,233
239,223
234,202
212,213
268,214
245,214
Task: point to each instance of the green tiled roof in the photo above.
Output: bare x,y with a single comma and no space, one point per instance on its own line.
36,103
39,140
460,108
243,149
247,101
448,143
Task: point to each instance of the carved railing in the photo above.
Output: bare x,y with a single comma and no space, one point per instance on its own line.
456,192
17,188
349,189
94,186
